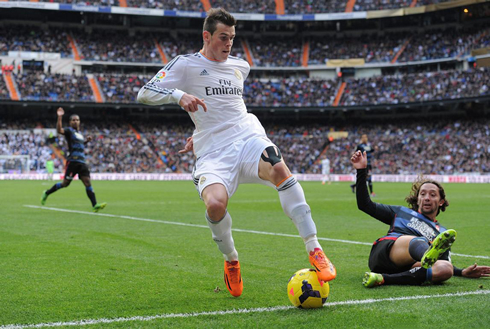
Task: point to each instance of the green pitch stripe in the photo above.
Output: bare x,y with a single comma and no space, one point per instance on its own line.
207,227
233,312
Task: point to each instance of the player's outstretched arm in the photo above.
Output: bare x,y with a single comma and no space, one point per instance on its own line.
475,271
381,212
364,203
59,122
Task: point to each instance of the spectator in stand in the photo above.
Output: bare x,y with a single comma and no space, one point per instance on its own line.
53,87
4,92
34,38
419,87
455,147
297,92
120,88
292,7
246,6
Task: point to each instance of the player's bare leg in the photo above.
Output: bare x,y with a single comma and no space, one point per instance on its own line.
219,221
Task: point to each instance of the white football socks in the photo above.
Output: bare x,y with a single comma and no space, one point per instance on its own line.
294,204
311,243
221,232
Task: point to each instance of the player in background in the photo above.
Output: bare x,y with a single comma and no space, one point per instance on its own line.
50,167
416,248
364,146
75,163
325,170
230,144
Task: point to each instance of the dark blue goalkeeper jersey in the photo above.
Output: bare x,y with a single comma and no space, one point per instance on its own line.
76,146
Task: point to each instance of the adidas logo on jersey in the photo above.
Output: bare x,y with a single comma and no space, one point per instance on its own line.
204,72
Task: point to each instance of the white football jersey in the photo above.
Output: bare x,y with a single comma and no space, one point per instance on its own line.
220,85
325,166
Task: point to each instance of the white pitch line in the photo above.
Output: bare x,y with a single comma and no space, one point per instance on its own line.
233,312
207,227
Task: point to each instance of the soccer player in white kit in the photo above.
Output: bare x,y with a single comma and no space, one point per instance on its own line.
230,144
325,170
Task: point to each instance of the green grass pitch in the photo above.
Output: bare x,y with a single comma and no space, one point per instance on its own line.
148,260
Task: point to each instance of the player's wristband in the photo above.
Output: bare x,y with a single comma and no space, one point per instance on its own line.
457,271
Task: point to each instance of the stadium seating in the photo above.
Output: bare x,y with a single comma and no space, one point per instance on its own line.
143,47
254,6
114,61
442,147
273,92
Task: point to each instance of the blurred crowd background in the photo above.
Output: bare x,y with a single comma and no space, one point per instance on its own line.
320,77
442,147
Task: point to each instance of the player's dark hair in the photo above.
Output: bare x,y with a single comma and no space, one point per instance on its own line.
412,198
215,16
74,115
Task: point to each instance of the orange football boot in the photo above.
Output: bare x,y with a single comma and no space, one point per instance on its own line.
233,278
323,266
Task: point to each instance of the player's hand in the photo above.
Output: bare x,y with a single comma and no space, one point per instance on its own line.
359,160
60,111
89,139
189,146
191,103
475,271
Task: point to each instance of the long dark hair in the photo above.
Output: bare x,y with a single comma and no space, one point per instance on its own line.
412,198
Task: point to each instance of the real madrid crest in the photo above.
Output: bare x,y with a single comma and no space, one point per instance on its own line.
238,74
202,180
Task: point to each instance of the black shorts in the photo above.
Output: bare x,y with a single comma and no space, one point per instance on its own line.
74,168
379,258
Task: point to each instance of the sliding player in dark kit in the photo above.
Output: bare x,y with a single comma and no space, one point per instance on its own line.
416,248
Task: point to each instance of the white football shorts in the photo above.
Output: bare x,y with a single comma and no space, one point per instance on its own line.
237,163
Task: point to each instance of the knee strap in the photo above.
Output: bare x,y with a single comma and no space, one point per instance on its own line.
274,156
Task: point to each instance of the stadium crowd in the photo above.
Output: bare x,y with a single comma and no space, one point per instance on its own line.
419,87
120,88
34,38
4,92
371,48
121,147
366,5
116,46
131,46
40,86
442,147
255,6
187,5
274,92
289,92
25,142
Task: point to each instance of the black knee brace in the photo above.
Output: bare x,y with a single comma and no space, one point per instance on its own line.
274,156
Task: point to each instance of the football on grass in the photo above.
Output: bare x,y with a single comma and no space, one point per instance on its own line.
305,290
